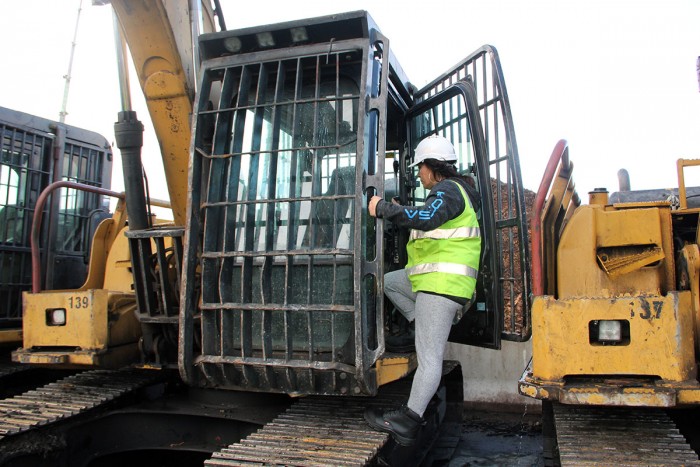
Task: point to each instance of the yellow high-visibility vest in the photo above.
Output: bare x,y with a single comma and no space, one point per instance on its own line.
446,260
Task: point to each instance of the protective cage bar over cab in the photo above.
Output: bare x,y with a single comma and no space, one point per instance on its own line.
282,285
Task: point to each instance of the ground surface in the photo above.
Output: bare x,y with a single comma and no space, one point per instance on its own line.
499,439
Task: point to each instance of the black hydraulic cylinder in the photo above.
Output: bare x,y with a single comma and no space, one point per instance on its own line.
128,132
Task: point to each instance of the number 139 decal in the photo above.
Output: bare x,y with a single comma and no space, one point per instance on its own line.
79,302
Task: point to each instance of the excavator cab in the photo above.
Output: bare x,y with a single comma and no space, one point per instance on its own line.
34,153
283,267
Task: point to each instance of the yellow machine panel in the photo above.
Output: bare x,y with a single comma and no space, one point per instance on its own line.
93,325
566,348
98,322
616,252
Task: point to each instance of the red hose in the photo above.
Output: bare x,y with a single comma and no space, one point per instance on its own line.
561,151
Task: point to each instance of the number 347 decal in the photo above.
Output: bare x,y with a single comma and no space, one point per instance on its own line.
650,310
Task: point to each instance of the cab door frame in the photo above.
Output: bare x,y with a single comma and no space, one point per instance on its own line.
501,306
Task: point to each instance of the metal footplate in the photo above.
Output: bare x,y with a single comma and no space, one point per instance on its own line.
620,437
313,432
68,397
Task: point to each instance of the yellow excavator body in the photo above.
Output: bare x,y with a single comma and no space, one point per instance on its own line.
617,324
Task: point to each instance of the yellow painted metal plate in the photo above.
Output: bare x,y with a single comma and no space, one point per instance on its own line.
660,342
394,367
10,336
85,324
611,392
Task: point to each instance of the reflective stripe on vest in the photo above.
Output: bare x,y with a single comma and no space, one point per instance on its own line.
442,234
448,268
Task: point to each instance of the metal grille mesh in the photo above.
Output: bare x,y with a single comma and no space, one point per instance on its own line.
279,209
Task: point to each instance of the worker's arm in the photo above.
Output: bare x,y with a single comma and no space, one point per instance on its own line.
444,202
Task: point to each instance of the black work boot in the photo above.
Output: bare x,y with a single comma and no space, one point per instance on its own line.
402,343
403,423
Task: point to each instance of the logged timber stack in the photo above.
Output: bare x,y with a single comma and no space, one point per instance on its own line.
268,284
615,320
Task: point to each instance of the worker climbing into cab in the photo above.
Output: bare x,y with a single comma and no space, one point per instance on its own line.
439,278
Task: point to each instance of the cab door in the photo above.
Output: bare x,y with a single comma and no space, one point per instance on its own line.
469,105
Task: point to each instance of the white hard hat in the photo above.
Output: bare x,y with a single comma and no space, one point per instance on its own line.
435,147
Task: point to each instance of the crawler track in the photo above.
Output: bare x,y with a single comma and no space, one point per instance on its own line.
313,432
54,422
68,397
331,431
620,437
7,369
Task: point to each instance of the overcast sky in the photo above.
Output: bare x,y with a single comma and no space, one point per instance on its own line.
616,78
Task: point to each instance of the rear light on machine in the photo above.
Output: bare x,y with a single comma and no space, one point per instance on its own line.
609,332
56,317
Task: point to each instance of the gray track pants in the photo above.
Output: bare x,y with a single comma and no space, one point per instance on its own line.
433,315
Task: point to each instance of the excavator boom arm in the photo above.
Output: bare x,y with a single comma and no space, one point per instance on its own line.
159,36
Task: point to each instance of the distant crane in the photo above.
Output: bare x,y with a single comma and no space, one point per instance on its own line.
62,114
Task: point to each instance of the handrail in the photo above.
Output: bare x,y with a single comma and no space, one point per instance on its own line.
681,164
39,213
560,152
